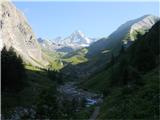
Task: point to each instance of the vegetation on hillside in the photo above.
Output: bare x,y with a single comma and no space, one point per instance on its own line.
128,83
13,71
130,80
52,105
30,92
76,57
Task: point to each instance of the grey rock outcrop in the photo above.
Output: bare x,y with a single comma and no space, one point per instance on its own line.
16,32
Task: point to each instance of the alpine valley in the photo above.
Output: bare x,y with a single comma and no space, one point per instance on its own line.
79,77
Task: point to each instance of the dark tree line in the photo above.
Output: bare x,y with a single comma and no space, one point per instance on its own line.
134,61
132,90
13,71
55,76
51,105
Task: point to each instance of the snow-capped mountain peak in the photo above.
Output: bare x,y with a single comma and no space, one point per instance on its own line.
78,33
74,41
77,38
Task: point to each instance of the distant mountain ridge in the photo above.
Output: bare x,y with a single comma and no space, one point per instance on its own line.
100,52
75,41
17,33
124,34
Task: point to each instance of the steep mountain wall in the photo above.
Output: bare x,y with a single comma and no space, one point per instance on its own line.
16,32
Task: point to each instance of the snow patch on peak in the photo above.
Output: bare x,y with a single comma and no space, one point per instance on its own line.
75,41
77,38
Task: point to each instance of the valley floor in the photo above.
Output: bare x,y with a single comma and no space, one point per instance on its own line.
71,91
16,105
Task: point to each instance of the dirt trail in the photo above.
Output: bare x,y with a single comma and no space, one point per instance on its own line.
95,113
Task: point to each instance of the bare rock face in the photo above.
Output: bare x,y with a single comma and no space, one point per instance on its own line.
15,32
140,26
143,25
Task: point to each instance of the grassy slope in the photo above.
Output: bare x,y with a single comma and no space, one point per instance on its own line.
57,59
136,101
36,81
76,57
140,103
143,99
54,59
97,82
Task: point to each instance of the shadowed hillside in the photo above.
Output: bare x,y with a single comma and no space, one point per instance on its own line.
130,82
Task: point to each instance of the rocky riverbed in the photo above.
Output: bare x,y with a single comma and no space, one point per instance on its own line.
70,91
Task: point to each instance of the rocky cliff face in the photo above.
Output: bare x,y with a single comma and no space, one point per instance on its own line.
15,32
141,27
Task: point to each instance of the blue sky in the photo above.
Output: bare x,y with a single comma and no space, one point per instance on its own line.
96,19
